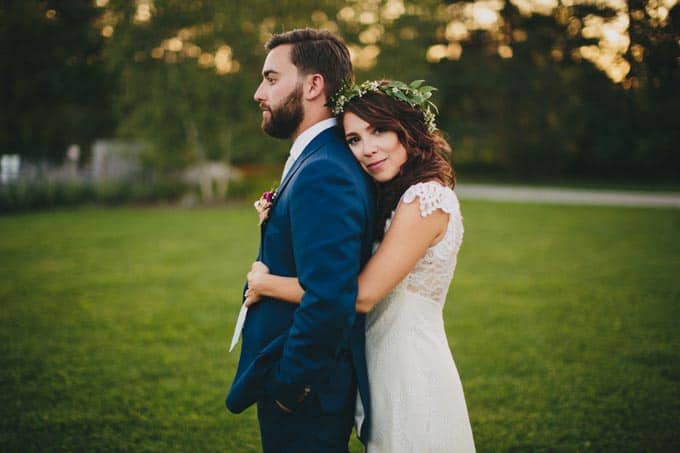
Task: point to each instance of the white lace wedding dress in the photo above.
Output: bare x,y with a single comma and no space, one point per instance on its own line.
417,400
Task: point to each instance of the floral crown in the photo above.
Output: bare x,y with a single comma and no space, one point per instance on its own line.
415,94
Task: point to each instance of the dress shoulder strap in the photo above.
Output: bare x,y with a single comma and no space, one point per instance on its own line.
433,196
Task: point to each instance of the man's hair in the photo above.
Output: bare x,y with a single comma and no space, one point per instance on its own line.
318,52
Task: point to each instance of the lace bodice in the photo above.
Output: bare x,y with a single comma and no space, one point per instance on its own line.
432,274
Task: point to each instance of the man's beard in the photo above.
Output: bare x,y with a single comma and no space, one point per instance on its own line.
285,119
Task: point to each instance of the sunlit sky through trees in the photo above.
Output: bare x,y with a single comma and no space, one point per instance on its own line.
458,21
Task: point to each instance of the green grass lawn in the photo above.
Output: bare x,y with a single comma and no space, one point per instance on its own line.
114,326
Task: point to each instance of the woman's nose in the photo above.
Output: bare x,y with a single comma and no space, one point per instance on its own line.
370,147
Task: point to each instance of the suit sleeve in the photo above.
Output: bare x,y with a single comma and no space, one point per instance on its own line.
328,220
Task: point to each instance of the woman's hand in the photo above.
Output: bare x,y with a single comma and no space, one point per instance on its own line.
258,272
252,297
261,283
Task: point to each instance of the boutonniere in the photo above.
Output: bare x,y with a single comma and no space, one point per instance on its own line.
264,203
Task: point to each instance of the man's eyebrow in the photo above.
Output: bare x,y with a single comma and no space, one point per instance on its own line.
269,72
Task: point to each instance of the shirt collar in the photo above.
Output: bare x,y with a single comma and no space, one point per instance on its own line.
309,134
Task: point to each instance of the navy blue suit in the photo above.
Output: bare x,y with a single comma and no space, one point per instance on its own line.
311,357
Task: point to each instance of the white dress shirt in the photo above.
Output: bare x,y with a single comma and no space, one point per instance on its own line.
305,139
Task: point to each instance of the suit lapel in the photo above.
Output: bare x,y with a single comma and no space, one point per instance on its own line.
309,150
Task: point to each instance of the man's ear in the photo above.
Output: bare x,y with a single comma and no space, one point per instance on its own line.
314,87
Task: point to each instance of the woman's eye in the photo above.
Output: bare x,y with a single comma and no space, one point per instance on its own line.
352,140
378,130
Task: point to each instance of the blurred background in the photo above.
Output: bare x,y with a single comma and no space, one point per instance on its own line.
111,100
115,322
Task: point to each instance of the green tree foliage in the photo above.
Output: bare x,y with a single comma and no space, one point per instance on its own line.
55,89
188,75
653,104
547,111
519,93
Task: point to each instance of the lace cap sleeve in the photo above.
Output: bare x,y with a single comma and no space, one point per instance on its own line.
433,196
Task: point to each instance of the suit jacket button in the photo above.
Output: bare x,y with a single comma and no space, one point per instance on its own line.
306,391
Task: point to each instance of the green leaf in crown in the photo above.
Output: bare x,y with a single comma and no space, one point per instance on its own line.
415,94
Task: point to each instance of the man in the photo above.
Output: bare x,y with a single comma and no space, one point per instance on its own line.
302,364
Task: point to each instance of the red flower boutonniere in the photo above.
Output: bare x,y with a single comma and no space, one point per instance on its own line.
263,204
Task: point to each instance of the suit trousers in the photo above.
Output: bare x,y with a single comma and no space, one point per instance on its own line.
308,430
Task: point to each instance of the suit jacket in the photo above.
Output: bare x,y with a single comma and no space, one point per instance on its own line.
320,231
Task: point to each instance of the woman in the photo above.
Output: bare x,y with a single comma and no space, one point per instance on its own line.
416,395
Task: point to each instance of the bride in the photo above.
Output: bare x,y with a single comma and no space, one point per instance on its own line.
417,400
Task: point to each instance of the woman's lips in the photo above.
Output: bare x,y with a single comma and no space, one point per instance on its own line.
375,166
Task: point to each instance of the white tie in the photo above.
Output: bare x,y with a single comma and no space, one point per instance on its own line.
241,320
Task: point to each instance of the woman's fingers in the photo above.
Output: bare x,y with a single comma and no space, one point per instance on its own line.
252,299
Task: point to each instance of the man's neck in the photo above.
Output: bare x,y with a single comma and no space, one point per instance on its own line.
307,123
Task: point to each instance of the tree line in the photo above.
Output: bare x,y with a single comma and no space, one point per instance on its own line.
576,88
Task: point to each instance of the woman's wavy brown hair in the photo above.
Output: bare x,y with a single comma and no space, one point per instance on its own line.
428,153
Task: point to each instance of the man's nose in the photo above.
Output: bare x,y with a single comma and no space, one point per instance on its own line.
259,93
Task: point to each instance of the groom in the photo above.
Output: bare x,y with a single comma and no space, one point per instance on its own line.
302,364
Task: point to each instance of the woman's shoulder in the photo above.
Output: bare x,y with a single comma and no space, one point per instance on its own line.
432,195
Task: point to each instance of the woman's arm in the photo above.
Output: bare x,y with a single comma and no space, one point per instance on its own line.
262,283
406,241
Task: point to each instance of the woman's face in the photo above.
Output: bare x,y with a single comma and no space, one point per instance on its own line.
379,152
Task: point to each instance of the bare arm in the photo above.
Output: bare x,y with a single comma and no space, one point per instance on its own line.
262,283
407,240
